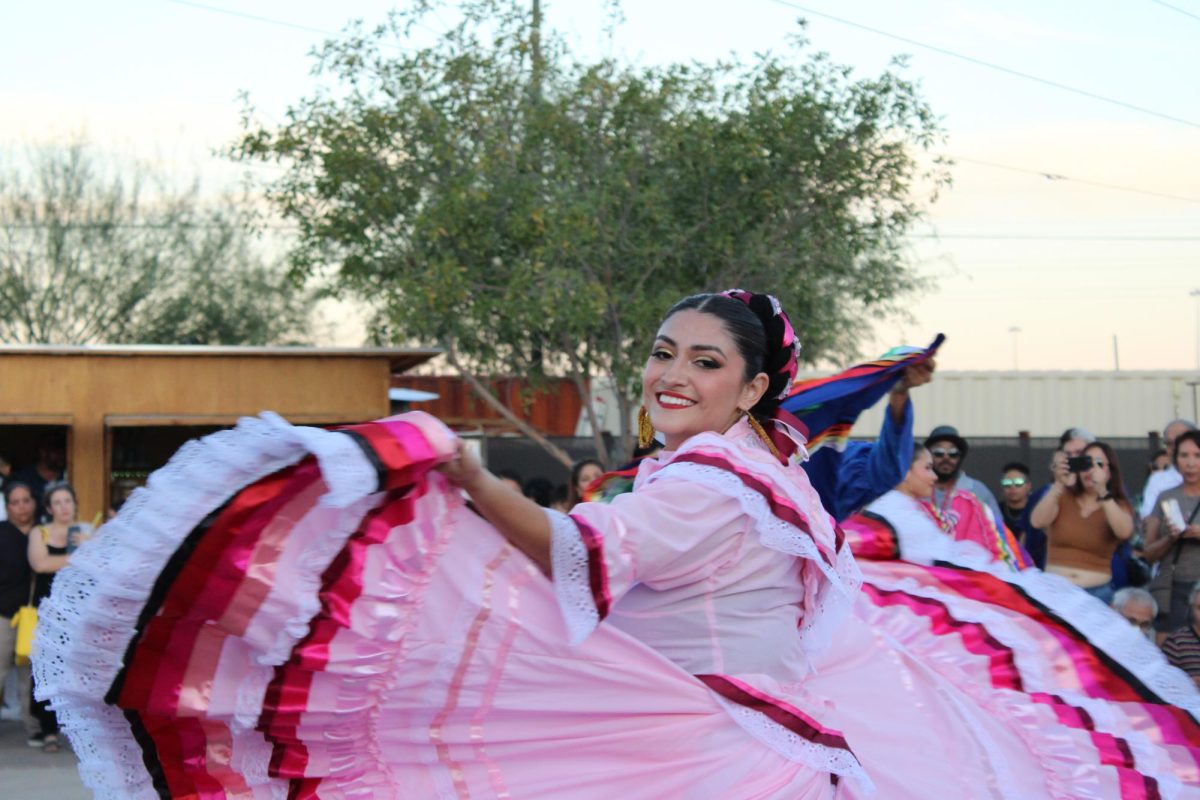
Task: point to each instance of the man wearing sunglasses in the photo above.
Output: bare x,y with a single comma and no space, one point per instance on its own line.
1016,486
949,451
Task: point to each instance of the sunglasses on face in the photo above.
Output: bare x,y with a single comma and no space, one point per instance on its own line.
941,452
1009,482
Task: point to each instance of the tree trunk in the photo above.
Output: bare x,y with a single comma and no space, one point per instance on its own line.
482,392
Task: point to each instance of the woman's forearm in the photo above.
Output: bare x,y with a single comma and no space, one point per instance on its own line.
518,518
47,564
1120,520
1158,540
1046,510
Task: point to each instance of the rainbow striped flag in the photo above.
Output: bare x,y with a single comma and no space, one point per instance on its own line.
829,406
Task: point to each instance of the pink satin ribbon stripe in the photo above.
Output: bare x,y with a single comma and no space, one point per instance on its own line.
1095,676
168,642
593,542
776,710
453,692
870,538
1111,751
779,506
401,448
287,696
163,656
976,639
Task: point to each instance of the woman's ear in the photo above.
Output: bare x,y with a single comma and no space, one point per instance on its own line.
753,391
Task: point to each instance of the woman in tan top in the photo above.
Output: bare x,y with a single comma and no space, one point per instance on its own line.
1085,515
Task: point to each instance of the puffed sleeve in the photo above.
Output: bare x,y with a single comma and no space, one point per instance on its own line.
666,534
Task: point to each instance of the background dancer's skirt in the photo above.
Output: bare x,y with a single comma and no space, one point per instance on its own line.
286,612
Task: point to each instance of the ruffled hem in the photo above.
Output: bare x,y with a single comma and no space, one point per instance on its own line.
1067,774
1095,621
89,622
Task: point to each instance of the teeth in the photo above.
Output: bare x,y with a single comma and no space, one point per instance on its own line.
675,401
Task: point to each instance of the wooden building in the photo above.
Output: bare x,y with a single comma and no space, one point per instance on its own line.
553,409
121,411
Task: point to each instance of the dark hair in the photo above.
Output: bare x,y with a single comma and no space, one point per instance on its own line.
918,448
640,452
1018,466
58,486
1192,436
573,496
1116,484
758,333
12,486
539,490
510,474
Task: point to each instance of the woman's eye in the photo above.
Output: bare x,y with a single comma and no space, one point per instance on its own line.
707,363
661,355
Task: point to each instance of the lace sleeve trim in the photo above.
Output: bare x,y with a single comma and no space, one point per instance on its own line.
571,569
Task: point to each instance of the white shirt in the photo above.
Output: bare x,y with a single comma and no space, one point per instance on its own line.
1159,482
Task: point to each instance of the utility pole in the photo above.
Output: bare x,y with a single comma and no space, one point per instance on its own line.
1116,355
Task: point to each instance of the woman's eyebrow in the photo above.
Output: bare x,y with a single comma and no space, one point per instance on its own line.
707,347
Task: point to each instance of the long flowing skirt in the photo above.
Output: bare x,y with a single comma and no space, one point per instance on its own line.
287,612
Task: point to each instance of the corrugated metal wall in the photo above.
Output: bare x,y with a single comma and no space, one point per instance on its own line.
1110,404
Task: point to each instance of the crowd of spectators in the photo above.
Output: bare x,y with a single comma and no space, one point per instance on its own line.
39,530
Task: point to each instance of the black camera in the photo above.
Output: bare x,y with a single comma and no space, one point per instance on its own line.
1079,463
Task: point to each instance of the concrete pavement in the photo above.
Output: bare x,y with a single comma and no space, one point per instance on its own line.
27,773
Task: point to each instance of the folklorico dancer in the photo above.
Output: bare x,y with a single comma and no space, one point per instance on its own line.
293,612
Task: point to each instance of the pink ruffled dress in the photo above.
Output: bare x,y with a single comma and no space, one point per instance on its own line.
290,613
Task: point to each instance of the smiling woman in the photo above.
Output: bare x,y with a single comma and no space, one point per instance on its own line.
339,622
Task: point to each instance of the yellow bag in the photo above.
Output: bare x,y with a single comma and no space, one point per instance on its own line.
25,621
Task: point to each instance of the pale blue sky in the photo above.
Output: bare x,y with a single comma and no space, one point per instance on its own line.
159,80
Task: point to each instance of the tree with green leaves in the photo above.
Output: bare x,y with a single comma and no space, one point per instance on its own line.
535,215
96,255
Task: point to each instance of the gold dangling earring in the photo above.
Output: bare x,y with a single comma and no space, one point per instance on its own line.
645,429
762,434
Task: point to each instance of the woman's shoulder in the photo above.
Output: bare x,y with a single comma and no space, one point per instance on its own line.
1174,493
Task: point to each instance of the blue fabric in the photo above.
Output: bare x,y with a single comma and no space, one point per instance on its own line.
849,478
870,469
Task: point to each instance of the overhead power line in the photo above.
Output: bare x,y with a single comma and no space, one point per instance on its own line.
1021,237
1055,176
1177,9
989,65
256,18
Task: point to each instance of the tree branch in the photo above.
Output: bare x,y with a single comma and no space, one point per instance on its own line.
484,394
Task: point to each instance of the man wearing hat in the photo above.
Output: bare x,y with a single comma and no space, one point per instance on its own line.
949,451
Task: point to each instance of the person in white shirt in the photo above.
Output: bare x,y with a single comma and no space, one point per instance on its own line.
1170,477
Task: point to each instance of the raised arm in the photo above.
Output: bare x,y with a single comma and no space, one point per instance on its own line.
1046,510
518,518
